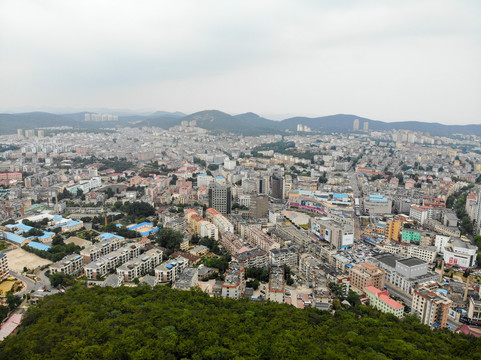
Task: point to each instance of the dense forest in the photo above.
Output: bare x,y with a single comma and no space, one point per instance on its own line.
140,323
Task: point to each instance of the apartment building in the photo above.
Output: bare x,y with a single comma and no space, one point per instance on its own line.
70,264
189,278
380,300
365,275
421,213
234,281
170,270
102,248
431,305
425,253
258,239
4,271
141,265
252,258
283,256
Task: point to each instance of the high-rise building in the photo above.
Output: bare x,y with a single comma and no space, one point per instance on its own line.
355,125
41,133
259,206
220,197
478,214
277,187
365,126
3,267
29,133
19,132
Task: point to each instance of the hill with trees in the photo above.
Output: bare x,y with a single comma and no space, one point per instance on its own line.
141,323
248,124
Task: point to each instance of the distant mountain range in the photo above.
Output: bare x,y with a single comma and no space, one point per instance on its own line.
218,121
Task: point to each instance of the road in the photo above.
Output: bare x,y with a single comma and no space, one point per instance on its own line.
32,285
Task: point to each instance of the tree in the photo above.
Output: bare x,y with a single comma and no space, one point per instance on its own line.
173,181
169,239
323,178
57,240
13,301
35,232
61,279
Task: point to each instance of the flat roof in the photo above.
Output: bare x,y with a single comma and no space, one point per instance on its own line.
412,261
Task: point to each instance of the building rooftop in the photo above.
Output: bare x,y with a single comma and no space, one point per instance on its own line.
412,262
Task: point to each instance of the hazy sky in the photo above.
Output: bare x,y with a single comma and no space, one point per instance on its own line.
385,60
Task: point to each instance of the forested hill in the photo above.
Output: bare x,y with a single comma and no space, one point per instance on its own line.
140,323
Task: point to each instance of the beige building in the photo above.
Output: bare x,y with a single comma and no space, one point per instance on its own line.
431,305
3,267
363,275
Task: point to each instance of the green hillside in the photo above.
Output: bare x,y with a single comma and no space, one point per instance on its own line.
140,323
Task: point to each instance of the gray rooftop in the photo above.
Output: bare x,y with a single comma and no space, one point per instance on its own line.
412,262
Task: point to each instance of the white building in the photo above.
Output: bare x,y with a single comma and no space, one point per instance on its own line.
460,253
440,241
425,253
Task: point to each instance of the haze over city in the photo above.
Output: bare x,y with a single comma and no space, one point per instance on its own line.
385,60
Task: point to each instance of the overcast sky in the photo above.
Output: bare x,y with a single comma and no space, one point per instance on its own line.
385,60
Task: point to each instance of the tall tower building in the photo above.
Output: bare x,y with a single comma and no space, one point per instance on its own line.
365,126
259,206
220,197
355,125
19,132
277,187
478,214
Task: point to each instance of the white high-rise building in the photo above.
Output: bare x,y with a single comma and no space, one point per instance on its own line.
355,125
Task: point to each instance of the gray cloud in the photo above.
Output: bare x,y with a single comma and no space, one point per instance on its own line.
388,60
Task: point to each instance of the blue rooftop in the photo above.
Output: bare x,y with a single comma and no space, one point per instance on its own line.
38,246
14,237
106,236
133,227
20,226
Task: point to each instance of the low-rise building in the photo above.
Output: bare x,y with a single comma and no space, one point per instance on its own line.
277,285
380,300
425,253
70,264
252,258
171,269
283,256
187,279
234,281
